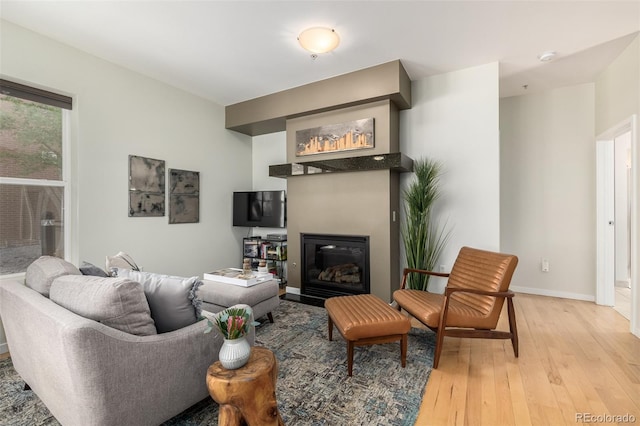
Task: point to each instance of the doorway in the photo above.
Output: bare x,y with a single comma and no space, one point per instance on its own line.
616,208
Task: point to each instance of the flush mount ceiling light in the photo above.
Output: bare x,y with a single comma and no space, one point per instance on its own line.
546,56
319,39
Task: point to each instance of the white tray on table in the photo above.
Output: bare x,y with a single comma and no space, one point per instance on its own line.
237,277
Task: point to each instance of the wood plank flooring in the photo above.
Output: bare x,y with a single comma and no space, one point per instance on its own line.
575,357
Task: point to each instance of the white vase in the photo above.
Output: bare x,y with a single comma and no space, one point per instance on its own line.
234,353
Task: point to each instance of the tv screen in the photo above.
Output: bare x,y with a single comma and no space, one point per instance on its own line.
260,208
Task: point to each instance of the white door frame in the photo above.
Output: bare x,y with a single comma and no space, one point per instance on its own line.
605,292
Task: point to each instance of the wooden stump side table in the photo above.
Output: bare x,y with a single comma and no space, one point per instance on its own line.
246,395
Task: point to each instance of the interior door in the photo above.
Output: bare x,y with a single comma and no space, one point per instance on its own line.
605,217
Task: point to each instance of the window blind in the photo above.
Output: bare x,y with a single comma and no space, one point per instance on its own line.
29,93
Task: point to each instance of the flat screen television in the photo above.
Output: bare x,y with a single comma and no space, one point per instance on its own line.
267,209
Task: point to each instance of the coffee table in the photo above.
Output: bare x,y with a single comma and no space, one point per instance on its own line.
246,395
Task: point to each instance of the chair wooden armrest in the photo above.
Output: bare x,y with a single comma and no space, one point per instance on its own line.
449,290
407,271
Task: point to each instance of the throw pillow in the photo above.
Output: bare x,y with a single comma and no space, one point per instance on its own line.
42,271
115,302
120,260
172,300
90,269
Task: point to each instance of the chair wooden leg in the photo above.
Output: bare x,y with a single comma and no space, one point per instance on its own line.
439,342
512,325
270,316
350,357
403,351
330,327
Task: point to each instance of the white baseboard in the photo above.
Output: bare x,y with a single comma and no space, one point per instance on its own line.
4,348
528,290
553,293
293,290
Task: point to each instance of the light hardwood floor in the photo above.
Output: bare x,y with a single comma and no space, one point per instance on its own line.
575,357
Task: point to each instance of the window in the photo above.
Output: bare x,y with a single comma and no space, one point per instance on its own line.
33,183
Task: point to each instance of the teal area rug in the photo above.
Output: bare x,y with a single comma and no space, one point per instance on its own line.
313,387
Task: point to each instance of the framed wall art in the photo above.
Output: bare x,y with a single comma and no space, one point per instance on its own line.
146,186
348,136
184,196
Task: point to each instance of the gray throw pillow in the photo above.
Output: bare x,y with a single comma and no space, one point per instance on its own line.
42,271
90,269
115,302
172,300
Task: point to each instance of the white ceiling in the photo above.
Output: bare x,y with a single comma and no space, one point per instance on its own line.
230,51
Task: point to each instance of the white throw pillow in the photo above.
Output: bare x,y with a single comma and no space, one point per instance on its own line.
120,260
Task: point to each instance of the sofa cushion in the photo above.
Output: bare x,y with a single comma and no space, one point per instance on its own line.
172,300
115,302
42,271
90,269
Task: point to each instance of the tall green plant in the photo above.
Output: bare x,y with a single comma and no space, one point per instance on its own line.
424,238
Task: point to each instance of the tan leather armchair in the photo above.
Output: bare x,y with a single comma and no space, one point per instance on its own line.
471,304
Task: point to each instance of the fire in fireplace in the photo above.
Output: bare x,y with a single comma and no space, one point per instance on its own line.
334,265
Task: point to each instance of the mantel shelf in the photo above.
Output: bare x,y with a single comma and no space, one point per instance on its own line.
395,161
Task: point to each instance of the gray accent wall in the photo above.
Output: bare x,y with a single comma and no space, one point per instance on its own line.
351,203
269,113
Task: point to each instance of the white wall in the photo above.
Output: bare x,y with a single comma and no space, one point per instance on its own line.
548,190
618,99
268,150
454,120
616,89
117,113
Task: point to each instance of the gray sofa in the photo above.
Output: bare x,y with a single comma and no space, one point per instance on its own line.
88,373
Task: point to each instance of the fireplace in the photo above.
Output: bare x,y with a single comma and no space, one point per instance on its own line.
334,265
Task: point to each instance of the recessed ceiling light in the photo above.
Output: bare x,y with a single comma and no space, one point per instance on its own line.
546,56
319,39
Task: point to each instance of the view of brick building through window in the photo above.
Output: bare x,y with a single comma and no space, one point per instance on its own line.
31,212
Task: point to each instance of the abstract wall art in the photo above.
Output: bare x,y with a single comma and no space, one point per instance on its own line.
184,196
146,186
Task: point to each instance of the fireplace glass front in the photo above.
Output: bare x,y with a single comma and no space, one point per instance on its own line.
334,265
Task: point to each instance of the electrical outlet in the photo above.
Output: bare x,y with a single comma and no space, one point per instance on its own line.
545,265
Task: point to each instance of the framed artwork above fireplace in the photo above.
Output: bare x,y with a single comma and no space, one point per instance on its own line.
348,136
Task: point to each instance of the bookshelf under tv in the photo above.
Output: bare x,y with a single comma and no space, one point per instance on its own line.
273,251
